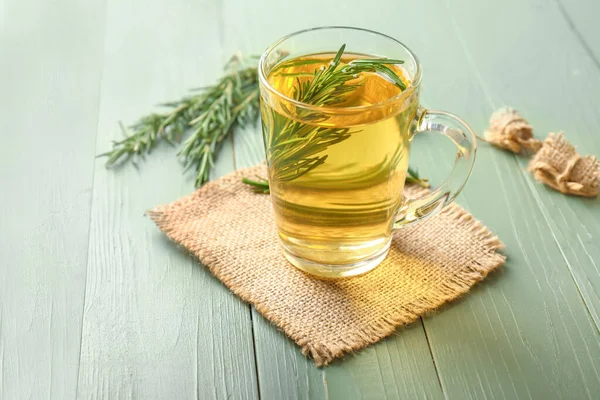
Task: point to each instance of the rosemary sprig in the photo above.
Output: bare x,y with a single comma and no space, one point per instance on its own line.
293,145
260,185
204,119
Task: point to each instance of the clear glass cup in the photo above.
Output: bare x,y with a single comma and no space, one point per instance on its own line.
336,218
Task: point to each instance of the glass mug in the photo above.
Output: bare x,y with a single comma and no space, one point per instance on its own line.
337,165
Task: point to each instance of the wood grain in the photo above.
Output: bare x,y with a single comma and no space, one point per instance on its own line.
528,332
400,367
571,106
156,323
581,18
50,66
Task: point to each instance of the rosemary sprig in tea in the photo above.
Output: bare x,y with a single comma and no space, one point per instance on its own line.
294,146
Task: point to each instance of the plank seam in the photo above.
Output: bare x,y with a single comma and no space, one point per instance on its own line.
437,373
578,35
87,256
254,350
231,138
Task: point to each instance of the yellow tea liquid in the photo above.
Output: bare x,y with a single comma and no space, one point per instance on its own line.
339,213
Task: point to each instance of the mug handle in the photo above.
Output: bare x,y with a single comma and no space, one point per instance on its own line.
462,136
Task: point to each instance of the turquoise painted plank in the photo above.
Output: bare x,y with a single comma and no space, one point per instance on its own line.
284,373
527,332
50,67
581,16
395,368
398,367
570,104
156,323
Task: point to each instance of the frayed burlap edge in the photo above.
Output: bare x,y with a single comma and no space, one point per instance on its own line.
409,313
460,284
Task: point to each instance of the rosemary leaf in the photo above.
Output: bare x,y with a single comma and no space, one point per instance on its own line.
293,148
260,186
201,121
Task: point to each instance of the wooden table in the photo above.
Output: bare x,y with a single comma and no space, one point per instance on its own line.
96,303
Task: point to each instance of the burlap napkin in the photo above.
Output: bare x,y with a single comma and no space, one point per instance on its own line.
231,230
